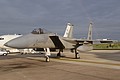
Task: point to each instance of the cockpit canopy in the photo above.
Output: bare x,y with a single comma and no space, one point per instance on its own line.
40,31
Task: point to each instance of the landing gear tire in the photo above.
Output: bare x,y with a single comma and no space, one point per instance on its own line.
47,59
59,55
22,53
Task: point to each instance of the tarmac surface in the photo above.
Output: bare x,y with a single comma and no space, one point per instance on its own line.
93,65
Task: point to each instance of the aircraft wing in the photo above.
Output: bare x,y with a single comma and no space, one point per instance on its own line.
59,41
77,41
94,41
81,41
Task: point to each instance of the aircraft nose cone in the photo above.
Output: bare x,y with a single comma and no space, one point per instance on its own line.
10,44
6,44
19,43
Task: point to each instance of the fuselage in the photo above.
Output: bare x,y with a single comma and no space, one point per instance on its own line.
39,41
32,41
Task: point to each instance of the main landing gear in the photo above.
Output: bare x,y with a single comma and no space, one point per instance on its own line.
47,58
47,54
59,53
76,54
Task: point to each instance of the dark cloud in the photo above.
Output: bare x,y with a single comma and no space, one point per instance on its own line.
21,16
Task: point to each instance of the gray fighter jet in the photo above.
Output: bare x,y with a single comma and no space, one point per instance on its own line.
40,38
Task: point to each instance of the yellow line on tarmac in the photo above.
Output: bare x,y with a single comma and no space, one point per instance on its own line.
87,61
76,60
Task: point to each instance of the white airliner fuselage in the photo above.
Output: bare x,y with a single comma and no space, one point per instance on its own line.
6,38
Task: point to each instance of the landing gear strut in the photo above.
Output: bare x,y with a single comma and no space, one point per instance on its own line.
59,54
77,55
47,54
47,58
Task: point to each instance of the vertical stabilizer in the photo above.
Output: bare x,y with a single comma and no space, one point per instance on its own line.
69,31
90,31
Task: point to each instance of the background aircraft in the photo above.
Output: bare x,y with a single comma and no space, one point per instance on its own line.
6,38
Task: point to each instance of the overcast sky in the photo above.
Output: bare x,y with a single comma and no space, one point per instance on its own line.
22,16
